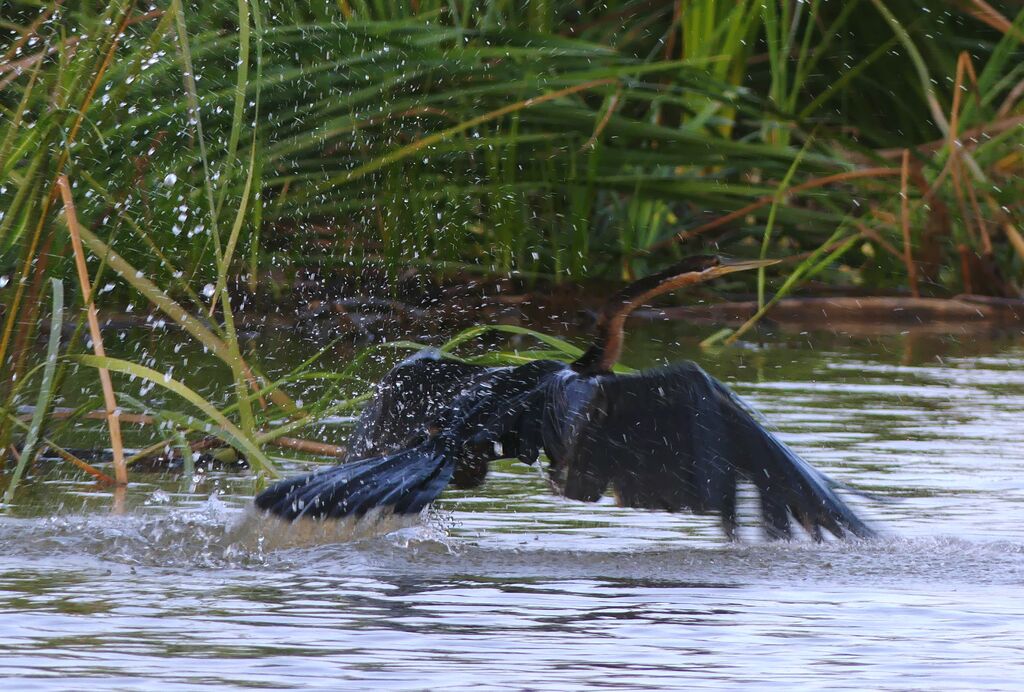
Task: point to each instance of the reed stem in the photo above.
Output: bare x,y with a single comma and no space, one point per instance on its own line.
109,399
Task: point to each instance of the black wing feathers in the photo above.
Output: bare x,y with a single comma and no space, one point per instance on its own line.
783,479
404,482
676,438
670,439
410,398
473,424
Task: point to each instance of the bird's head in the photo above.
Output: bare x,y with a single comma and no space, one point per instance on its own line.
695,269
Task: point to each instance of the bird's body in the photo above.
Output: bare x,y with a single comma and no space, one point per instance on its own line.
671,438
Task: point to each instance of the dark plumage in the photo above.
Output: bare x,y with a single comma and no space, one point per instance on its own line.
671,438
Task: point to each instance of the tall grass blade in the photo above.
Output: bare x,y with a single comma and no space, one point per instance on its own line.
221,427
29,449
560,345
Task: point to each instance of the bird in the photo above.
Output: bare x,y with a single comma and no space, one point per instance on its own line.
671,438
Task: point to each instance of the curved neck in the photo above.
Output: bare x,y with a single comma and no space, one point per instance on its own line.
607,347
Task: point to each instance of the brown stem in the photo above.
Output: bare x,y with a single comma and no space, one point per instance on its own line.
52,194
309,446
965,268
134,418
31,31
908,256
875,237
683,236
995,127
120,470
613,103
985,13
88,468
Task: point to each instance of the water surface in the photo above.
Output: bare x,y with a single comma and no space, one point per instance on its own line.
509,588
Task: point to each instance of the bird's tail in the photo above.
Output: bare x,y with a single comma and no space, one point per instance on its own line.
404,482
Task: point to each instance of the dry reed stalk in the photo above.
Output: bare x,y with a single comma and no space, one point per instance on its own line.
986,237
120,469
31,256
136,418
764,201
955,146
1011,100
985,13
961,200
85,466
998,126
965,268
14,306
30,309
118,506
908,256
30,32
17,68
1015,237
966,67
875,237
309,446
613,103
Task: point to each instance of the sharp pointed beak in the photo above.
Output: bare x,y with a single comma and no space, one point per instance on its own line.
730,267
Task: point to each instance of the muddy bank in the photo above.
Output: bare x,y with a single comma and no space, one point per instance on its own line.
369,319
858,314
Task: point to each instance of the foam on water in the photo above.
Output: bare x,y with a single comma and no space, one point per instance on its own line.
216,536
211,536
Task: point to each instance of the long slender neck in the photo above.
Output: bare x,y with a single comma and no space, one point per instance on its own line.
607,346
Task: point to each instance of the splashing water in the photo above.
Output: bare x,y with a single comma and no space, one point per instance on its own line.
508,586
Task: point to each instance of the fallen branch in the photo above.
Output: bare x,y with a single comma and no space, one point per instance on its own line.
882,312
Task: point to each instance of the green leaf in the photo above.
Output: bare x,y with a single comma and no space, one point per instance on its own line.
221,427
28,450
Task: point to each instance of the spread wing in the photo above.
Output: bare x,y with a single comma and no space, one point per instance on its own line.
675,438
490,409
410,398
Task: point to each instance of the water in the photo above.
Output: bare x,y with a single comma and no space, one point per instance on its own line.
510,588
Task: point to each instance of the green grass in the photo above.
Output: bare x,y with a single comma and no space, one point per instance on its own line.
211,145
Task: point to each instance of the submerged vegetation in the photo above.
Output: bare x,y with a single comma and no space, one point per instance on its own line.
198,157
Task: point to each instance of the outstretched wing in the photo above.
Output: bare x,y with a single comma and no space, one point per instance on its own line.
676,438
410,398
487,411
